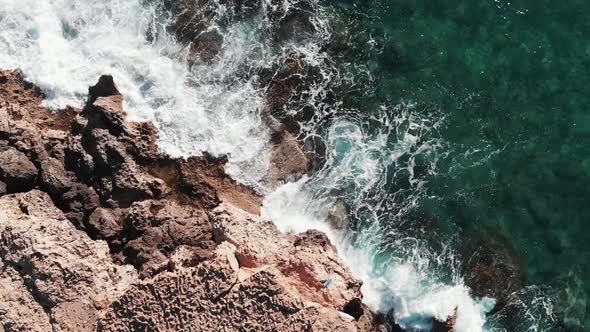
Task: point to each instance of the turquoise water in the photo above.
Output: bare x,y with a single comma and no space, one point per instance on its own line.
454,134
508,85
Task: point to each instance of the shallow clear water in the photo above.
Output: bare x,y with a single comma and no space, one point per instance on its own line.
445,126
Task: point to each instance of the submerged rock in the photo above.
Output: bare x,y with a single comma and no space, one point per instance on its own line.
287,161
308,259
205,47
489,261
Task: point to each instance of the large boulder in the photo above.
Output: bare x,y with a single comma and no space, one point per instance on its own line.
17,171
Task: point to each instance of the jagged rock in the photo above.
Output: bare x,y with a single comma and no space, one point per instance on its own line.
213,297
107,152
17,171
130,185
78,202
366,321
205,47
161,227
104,223
77,159
446,326
108,178
206,179
54,178
105,87
313,238
309,260
70,275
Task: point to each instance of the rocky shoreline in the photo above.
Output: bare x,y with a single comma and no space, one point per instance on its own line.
101,231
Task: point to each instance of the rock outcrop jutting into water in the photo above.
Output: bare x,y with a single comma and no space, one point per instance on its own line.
101,231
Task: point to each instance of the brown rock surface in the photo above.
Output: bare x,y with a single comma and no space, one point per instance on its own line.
99,195
17,171
288,161
19,310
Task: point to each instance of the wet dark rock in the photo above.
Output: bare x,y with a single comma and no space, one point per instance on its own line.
488,261
295,26
105,87
338,215
205,47
314,148
354,308
288,161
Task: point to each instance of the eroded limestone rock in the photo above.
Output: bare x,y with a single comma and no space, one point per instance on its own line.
71,276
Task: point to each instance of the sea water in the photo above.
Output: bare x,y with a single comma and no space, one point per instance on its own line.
441,122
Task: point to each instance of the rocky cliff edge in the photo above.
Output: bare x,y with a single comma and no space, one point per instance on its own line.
100,231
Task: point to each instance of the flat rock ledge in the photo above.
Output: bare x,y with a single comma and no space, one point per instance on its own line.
100,231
